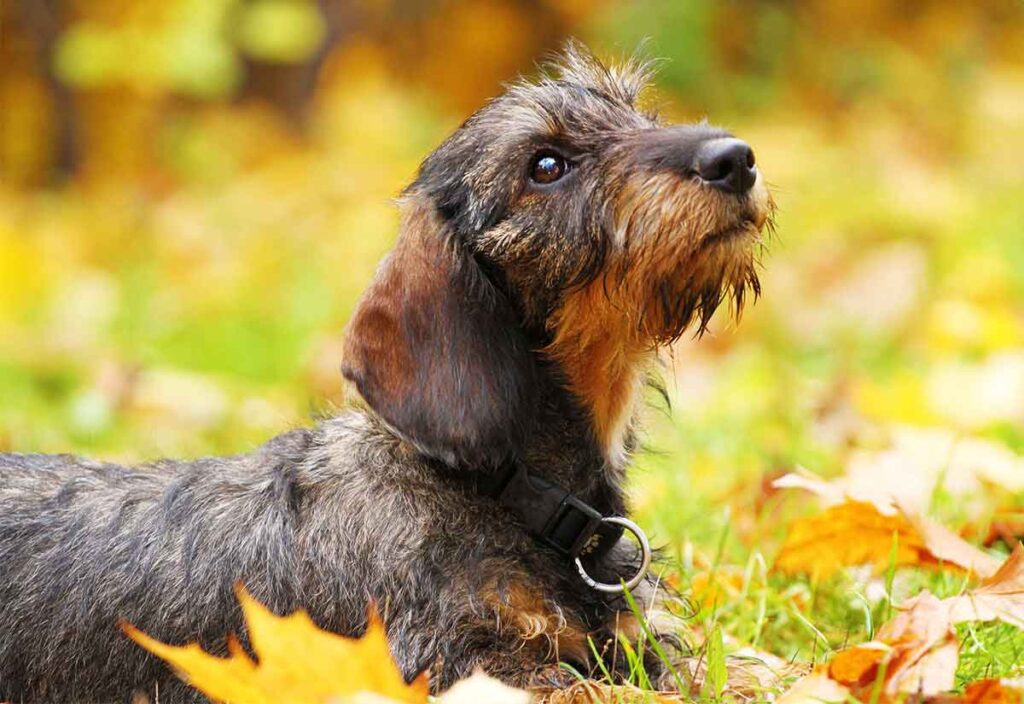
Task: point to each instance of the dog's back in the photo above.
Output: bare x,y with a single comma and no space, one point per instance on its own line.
84,545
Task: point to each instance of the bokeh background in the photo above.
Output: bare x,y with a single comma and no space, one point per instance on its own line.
194,192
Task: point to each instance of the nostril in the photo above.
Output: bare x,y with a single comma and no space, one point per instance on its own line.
715,170
727,164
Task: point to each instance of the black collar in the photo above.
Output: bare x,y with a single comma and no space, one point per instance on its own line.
553,515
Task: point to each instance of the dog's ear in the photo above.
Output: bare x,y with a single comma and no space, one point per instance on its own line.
436,350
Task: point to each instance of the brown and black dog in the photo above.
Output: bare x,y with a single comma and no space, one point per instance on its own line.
548,248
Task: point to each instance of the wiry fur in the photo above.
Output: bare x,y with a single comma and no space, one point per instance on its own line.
511,323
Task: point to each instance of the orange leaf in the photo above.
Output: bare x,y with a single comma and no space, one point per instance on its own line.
858,533
296,662
915,653
991,692
858,666
851,533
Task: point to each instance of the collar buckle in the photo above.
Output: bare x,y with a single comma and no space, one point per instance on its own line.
564,522
571,526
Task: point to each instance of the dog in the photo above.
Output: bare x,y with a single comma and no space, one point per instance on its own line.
547,250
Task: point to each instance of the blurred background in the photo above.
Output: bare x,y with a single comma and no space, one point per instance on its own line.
194,192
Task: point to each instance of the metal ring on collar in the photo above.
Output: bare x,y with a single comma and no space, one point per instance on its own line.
645,560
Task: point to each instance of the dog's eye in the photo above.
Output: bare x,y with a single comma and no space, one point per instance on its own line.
548,167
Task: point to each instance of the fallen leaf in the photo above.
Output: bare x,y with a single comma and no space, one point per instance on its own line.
914,653
859,533
917,651
982,692
925,651
716,586
999,597
852,533
815,688
946,546
296,662
858,666
481,688
917,462
992,692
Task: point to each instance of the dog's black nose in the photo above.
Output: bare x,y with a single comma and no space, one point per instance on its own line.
727,164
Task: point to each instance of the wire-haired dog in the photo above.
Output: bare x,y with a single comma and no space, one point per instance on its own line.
547,249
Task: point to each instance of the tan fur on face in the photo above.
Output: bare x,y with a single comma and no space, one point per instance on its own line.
679,248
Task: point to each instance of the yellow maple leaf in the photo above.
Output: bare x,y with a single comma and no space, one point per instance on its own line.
295,662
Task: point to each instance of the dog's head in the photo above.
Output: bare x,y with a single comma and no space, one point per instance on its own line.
561,221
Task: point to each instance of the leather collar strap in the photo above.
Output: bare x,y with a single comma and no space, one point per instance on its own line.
553,515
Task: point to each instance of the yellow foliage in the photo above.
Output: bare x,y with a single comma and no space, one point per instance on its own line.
296,662
901,399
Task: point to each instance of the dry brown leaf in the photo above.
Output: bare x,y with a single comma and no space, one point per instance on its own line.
815,688
991,692
946,546
914,653
917,462
851,533
999,597
982,692
917,652
858,533
296,662
925,651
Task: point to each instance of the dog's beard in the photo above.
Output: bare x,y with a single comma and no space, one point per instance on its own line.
722,272
682,262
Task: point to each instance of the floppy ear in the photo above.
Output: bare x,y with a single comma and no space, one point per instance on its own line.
435,349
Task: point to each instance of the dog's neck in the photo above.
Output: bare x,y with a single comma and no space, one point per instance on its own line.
605,366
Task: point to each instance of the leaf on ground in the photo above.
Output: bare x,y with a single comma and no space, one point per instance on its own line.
852,533
296,662
948,547
992,692
916,653
815,688
916,463
983,692
999,597
481,688
859,533
925,651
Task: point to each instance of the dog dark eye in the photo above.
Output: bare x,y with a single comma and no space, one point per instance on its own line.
548,167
